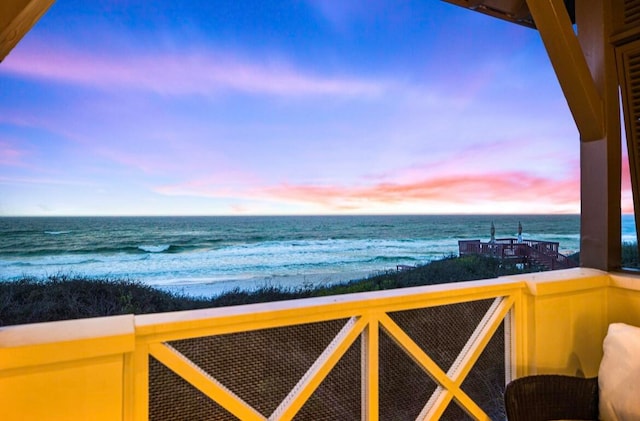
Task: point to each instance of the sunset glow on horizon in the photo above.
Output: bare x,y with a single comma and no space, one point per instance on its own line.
283,108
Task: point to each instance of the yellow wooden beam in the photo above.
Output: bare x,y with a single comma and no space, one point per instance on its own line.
186,369
24,346
570,65
450,388
479,339
161,327
136,378
371,372
320,369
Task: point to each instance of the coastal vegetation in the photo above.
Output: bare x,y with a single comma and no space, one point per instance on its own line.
62,297
630,255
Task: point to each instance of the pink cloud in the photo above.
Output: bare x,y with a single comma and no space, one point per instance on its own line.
488,157
181,74
463,191
627,195
11,155
225,183
507,186
148,163
626,174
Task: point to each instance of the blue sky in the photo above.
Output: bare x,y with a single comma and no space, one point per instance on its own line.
289,107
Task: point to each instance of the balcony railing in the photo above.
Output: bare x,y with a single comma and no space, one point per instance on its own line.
443,351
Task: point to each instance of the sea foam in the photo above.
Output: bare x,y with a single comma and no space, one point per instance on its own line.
155,249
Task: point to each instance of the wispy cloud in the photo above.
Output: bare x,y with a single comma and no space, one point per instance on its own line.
42,181
183,74
349,119
10,154
461,191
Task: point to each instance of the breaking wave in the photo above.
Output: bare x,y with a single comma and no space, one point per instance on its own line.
155,249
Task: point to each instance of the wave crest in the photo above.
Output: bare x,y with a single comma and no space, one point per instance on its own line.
155,248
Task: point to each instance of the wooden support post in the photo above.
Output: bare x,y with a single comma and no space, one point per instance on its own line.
585,66
584,99
600,160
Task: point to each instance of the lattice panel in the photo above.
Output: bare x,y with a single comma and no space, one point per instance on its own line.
404,386
172,398
431,362
338,397
442,331
261,366
486,382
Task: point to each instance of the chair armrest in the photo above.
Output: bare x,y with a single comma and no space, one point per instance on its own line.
552,397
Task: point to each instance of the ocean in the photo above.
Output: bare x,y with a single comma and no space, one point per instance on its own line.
209,255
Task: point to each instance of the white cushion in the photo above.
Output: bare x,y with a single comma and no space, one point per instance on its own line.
619,374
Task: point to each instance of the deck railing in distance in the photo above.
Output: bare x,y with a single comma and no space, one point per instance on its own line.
435,352
541,253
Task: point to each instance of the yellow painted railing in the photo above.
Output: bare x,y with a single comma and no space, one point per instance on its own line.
115,368
364,314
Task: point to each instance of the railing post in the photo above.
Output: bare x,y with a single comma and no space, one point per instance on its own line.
138,406
517,325
370,358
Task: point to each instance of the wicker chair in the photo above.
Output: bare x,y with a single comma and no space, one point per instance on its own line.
552,397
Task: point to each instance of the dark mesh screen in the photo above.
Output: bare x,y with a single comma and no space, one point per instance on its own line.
262,366
338,397
442,331
454,412
404,387
486,381
172,398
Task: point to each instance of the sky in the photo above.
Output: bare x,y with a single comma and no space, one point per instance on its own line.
279,108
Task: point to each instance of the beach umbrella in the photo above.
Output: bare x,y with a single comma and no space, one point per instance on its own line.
519,232
493,233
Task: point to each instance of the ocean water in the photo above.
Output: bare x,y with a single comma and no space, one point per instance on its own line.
208,255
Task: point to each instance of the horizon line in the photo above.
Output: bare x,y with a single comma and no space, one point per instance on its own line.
288,215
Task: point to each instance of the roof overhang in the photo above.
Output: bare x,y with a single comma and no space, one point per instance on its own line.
516,11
